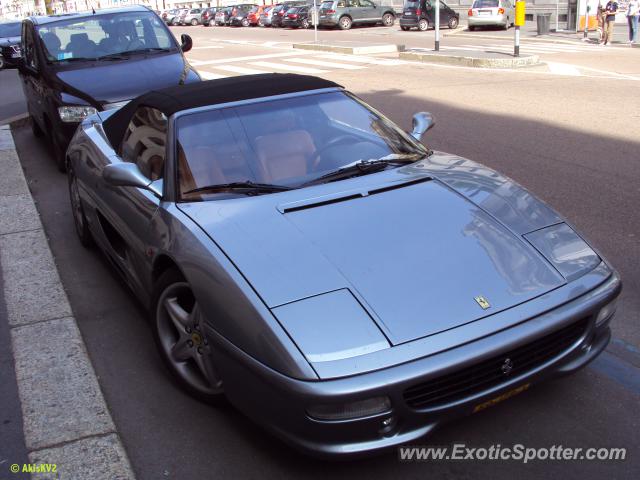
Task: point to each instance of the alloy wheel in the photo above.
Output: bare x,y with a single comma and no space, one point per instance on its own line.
423,25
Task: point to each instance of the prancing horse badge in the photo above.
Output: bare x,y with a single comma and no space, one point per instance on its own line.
483,302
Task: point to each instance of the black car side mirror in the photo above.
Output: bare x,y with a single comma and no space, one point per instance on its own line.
187,42
422,121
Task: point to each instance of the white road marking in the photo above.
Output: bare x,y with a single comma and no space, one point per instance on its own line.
321,63
563,69
196,63
362,59
206,47
210,75
291,68
237,69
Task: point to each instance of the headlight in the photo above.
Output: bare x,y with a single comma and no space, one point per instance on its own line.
344,411
606,313
75,114
566,251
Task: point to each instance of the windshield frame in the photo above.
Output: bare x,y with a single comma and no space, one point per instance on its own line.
75,61
172,189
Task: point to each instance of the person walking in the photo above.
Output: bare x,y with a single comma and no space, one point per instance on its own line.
633,14
602,20
611,8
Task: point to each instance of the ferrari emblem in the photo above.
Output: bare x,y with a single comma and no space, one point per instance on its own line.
483,302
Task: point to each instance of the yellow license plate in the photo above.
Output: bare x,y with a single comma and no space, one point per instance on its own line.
500,398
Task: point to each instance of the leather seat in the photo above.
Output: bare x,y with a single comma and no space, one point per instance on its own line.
285,154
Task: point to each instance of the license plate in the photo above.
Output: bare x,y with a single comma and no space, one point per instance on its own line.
484,12
500,398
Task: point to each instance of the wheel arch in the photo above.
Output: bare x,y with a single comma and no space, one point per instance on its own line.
162,263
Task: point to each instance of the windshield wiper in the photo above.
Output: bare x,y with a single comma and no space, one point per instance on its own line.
362,167
247,188
126,54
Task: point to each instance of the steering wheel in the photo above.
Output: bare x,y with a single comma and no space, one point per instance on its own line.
340,139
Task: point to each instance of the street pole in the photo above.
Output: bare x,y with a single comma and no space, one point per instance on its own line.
516,42
586,23
315,22
437,25
519,21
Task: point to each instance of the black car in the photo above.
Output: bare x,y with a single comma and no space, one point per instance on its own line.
207,17
421,14
239,15
279,11
77,64
297,17
9,44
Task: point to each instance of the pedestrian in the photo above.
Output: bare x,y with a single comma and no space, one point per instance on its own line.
602,20
633,14
611,8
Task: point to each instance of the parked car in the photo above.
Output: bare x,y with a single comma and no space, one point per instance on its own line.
9,44
168,15
178,15
223,16
421,14
77,64
207,17
192,17
266,15
297,17
338,340
345,13
281,9
239,15
254,14
484,13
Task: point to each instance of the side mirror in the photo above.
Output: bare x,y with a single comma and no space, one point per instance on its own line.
187,42
127,174
422,121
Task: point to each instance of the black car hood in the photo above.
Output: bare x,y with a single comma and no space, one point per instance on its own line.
115,81
6,41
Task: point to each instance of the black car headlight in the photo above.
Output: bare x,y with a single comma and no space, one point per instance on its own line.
75,113
565,250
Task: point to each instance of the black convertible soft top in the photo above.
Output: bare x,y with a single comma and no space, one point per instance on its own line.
211,92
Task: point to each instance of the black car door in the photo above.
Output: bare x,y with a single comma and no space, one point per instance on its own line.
31,75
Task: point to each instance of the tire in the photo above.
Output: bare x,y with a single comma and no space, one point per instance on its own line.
174,313
471,29
261,23
423,25
506,25
453,23
244,22
345,23
405,28
79,218
59,154
212,23
388,19
194,22
35,128
305,23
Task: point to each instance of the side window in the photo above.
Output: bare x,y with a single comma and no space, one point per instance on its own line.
366,3
342,4
145,141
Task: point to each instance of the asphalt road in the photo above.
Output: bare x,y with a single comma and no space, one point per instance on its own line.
13,103
555,134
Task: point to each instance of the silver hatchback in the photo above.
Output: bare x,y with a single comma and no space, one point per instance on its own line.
499,13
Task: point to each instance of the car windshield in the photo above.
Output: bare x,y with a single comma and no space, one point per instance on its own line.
411,4
104,36
10,29
287,143
485,4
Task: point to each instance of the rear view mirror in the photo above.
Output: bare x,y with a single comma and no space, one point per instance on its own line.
187,42
127,174
422,121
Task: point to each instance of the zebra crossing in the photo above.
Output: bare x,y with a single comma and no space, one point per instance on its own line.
302,61
533,48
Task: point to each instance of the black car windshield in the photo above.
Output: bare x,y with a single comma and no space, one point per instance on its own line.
10,29
104,36
284,143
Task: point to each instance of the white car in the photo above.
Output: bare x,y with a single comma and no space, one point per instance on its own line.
500,13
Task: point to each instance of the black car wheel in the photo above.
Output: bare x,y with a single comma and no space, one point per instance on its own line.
177,329
345,23
58,151
471,29
423,25
305,23
245,22
35,128
79,219
194,22
404,28
388,20
453,23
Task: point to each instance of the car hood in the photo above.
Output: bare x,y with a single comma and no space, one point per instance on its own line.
6,41
103,80
417,256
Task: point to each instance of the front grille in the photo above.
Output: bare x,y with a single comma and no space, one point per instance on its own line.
489,373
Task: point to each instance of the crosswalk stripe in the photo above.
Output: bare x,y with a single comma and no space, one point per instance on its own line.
291,68
210,75
362,59
321,63
563,69
250,57
237,69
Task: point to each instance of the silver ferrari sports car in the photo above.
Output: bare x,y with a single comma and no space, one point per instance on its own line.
335,279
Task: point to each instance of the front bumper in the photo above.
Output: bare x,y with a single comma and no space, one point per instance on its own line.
279,403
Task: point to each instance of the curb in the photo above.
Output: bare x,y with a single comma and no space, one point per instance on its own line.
353,50
66,420
467,61
522,38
